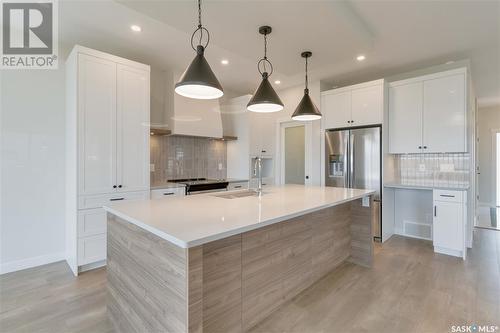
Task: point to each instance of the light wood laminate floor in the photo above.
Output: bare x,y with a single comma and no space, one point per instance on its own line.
409,289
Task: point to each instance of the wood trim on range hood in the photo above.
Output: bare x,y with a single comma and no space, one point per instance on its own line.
165,132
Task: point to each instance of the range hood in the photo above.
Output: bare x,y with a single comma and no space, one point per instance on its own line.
184,116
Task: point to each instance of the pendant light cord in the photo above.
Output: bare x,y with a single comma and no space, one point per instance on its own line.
201,29
306,75
264,60
199,21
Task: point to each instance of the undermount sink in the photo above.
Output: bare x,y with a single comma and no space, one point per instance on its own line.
237,194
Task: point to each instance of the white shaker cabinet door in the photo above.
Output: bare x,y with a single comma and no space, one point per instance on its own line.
367,106
132,129
444,115
447,225
336,110
405,118
96,125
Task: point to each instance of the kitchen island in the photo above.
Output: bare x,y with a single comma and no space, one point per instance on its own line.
222,262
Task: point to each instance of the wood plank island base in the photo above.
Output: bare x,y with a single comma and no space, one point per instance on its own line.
233,282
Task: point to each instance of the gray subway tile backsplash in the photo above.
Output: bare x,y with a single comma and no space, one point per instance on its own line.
440,170
176,157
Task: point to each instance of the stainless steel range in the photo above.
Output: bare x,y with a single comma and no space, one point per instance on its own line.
202,185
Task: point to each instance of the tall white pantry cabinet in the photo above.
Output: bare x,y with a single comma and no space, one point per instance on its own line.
107,147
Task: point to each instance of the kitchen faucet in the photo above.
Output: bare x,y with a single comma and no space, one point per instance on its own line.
258,168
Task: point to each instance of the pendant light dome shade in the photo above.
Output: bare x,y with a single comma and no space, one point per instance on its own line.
265,98
306,110
198,80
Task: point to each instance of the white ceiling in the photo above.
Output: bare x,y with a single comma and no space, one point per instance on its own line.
395,36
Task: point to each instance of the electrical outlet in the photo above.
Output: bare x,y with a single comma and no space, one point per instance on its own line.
421,167
151,167
220,166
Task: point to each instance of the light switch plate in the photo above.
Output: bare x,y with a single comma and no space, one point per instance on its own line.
151,167
365,202
220,166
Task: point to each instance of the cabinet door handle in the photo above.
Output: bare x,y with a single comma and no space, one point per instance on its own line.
425,147
116,199
238,186
119,186
435,211
447,195
114,186
419,147
168,193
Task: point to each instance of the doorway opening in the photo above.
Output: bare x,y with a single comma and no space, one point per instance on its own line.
294,147
294,151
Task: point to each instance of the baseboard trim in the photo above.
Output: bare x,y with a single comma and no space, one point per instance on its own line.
18,265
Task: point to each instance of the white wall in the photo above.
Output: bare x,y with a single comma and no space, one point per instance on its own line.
488,119
32,167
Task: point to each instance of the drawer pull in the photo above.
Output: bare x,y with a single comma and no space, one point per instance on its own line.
168,193
116,199
237,186
447,195
435,211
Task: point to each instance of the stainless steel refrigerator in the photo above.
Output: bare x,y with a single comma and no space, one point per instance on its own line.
353,160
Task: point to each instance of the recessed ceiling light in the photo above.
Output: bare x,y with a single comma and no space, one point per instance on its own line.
277,82
224,61
361,57
135,28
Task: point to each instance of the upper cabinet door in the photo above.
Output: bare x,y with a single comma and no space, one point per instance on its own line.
96,125
336,109
444,127
132,129
367,106
405,118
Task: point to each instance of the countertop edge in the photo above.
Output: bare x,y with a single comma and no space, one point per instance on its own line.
208,239
424,187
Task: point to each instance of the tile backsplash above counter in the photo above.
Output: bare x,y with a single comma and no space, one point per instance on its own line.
434,170
174,157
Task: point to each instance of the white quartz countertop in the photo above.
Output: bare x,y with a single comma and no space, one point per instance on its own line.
190,221
424,187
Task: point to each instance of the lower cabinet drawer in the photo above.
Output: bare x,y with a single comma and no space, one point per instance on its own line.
449,196
168,192
99,200
237,186
91,222
91,249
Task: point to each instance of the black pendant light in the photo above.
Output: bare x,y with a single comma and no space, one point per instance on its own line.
198,81
265,98
306,110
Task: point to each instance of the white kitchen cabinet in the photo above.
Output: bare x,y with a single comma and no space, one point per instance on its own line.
132,129
405,118
96,124
444,113
336,109
449,222
367,106
427,114
358,105
91,249
91,222
107,146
